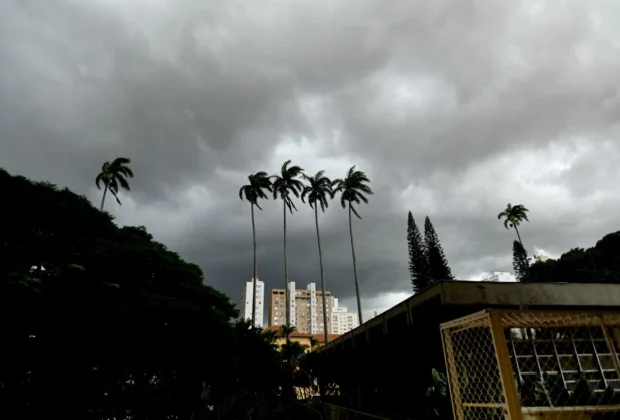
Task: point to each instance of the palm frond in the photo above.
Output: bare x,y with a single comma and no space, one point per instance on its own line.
355,211
99,180
114,193
122,181
121,161
125,170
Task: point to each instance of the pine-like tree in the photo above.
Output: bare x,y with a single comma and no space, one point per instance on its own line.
418,266
520,262
437,262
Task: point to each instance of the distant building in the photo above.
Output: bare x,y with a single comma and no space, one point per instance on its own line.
247,299
342,320
502,277
538,258
306,307
304,339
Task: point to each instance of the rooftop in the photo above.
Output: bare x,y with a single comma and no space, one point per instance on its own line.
451,299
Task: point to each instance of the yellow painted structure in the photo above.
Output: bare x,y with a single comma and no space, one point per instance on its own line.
534,365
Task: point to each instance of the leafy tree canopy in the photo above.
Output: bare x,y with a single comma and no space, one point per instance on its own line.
599,264
100,321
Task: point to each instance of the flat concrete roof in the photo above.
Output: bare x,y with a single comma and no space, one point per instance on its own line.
500,295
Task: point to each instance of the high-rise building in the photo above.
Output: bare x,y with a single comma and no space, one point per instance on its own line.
246,302
306,307
342,320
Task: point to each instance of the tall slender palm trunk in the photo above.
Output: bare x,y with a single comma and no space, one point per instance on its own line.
518,235
318,238
357,286
254,272
105,190
286,288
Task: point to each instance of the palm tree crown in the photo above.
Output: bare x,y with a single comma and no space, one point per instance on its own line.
114,175
255,190
352,189
286,182
318,191
514,215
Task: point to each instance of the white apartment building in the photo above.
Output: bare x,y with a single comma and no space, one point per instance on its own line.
502,277
342,320
538,258
247,299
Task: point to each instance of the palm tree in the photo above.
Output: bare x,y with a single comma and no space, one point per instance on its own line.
259,182
514,215
352,189
112,176
269,336
318,191
286,330
283,185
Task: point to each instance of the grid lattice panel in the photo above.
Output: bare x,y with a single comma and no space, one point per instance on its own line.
564,365
473,370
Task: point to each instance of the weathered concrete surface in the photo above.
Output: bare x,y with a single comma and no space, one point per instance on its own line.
463,297
530,294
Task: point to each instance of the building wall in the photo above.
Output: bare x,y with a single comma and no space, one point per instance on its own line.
306,309
246,302
342,320
501,277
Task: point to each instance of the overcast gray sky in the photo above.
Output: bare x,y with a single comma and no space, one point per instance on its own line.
452,108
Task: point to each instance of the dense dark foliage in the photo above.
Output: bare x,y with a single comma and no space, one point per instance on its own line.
103,322
520,262
599,264
418,265
437,262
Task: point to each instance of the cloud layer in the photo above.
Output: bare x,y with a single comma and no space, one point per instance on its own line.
453,109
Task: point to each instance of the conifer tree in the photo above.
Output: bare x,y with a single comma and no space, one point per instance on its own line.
437,263
418,266
520,262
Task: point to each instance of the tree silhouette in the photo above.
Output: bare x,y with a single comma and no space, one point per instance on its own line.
418,264
113,175
255,190
513,216
283,185
520,262
353,189
318,191
437,262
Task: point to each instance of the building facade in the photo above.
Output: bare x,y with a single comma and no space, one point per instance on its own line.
306,308
501,277
247,299
538,258
342,320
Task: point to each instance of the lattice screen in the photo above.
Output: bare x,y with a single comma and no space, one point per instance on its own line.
534,365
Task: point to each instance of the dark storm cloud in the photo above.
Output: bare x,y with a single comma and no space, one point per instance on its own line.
452,108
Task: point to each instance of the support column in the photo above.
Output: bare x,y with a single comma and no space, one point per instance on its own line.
511,395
